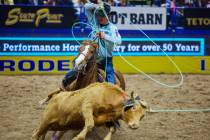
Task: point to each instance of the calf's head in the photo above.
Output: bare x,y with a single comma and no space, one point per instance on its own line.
134,111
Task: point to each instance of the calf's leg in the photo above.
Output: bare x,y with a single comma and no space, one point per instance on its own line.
39,132
87,112
109,135
43,136
42,130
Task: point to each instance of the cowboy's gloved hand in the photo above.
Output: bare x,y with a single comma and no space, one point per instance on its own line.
101,35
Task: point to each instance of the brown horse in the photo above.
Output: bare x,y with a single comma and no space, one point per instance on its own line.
88,71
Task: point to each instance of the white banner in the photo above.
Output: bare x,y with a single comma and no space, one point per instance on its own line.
144,18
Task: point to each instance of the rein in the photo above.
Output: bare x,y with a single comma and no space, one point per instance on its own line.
124,95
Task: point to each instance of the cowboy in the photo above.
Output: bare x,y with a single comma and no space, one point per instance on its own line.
106,37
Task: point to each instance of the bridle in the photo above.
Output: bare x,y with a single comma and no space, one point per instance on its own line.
83,54
82,66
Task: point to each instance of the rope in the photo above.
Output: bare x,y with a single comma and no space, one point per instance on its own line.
95,28
139,70
152,110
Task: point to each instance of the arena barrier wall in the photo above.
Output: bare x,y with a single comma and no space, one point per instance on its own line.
61,64
54,55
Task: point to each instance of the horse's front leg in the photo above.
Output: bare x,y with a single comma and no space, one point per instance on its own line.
111,131
87,112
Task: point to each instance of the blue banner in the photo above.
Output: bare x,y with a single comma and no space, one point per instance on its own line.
129,47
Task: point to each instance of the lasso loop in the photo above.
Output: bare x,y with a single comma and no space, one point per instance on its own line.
95,28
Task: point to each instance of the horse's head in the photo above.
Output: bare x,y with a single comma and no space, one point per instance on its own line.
86,52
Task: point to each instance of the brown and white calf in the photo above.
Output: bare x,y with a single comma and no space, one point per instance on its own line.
94,105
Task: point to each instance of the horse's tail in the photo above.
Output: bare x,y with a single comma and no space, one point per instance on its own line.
45,100
121,78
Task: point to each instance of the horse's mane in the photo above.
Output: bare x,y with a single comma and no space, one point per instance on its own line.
89,42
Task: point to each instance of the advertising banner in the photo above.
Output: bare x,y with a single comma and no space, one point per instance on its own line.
55,55
34,65
62,64
197,18
36,17
129,47
144,18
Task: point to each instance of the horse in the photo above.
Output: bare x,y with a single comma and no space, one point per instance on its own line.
88,71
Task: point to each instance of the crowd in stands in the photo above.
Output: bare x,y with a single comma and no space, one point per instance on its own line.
157,3
36,2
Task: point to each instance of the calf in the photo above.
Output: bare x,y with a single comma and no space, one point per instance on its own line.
94,105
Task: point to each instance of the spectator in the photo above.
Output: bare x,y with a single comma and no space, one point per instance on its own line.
208,5
34,2
123,2
157,2
78,3
21,2
139,2
50,2
58,2
117,2
7,2
199,3
111,2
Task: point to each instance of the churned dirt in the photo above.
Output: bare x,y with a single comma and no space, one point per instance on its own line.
20,111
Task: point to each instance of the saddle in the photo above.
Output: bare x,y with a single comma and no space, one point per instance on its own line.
100,79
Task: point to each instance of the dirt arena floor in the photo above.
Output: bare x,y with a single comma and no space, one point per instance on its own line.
20,111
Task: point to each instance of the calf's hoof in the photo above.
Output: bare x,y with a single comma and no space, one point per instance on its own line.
78,138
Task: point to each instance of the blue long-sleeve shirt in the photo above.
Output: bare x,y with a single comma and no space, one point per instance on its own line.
112,36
